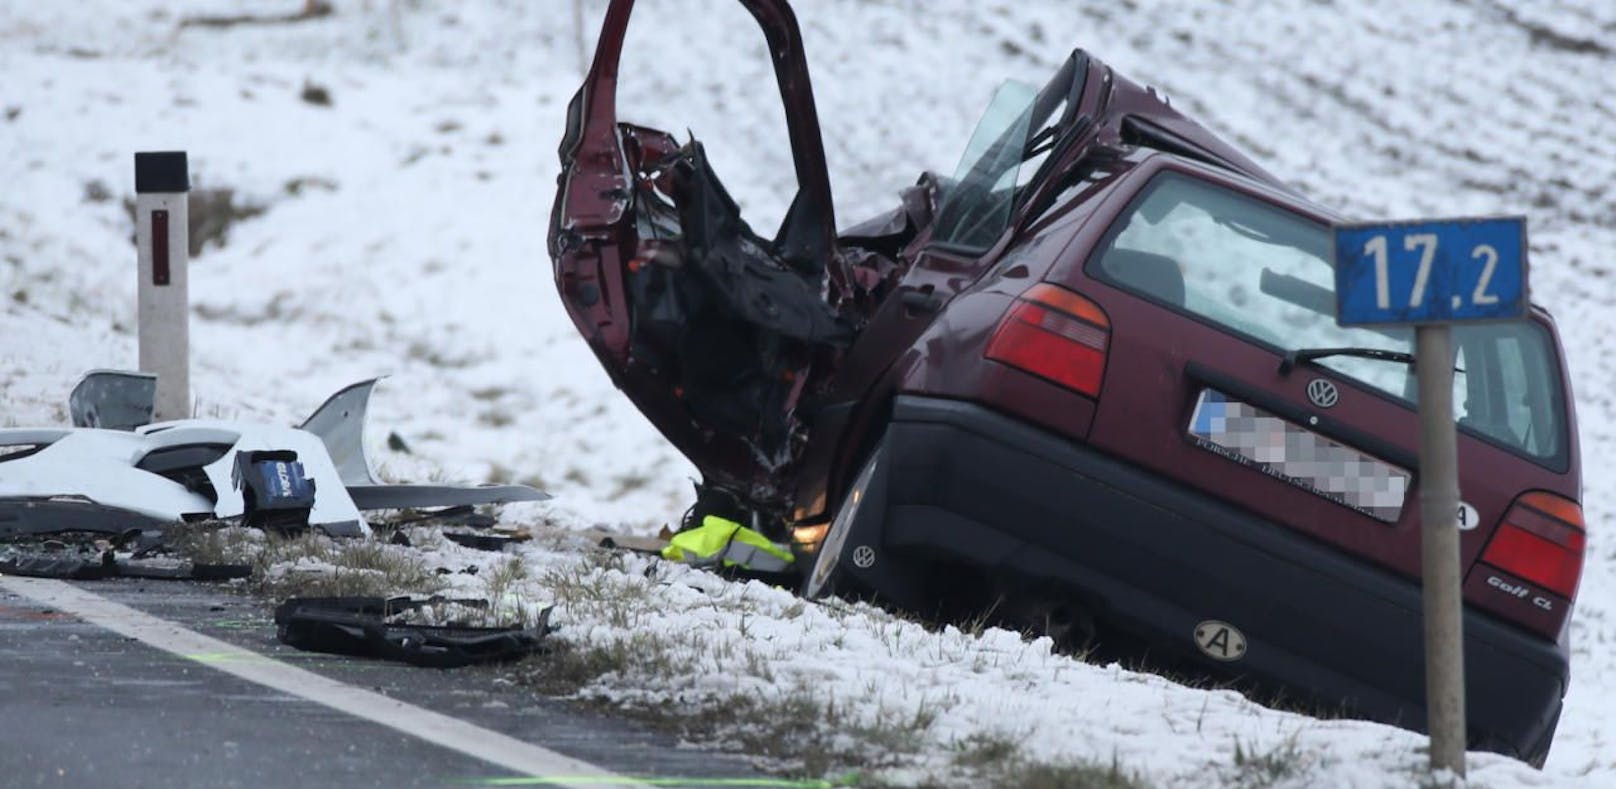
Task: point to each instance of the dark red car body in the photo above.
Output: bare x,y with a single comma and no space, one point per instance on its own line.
816,376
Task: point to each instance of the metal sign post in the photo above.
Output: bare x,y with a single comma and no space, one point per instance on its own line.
162,232
1431,274
1439,549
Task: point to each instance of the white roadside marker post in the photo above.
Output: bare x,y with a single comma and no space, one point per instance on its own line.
163,309
1431,274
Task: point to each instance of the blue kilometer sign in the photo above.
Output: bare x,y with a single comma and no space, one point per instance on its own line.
1430,271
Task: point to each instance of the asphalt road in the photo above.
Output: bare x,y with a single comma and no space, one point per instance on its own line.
83,706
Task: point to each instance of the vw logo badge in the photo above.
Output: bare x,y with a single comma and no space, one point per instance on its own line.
863,557
1323,393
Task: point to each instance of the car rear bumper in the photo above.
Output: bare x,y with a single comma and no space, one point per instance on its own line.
959,482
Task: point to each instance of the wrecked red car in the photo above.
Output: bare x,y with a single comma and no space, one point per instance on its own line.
1092,382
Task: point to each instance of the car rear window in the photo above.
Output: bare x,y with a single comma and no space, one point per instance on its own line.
1264,273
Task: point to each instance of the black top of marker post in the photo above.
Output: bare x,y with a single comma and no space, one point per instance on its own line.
161,172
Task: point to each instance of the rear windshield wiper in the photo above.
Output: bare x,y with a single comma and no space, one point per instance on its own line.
1300,355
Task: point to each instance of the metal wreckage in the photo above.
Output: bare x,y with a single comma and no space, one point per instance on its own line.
727,340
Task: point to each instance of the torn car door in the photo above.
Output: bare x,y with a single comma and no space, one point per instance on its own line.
714,332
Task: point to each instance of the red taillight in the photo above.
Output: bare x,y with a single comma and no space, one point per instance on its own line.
1056,334
1541,540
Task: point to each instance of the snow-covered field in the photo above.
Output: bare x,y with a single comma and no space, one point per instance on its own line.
403,233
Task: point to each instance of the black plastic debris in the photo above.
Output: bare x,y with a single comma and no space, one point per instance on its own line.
359,626
66,566
484,542
23,517
54,560
460,515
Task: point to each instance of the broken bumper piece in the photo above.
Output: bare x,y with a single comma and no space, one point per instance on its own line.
359,626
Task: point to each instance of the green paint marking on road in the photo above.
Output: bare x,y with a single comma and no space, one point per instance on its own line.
225,657
588,780
312,661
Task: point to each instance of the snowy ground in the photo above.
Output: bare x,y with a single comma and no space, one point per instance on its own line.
404,234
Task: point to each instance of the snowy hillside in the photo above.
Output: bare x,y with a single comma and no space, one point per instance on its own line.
399,228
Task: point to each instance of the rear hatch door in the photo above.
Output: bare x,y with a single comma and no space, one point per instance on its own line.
1209,284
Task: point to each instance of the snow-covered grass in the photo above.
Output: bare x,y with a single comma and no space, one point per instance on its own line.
309,564
403,233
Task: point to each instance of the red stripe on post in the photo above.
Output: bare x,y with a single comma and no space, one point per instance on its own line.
159,233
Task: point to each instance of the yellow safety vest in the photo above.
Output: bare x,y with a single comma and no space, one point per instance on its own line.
720,541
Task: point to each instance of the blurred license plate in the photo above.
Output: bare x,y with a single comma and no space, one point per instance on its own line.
1281,449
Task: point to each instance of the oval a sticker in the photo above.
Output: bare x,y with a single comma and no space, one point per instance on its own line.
1220,640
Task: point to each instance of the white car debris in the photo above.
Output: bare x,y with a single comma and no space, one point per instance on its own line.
100,479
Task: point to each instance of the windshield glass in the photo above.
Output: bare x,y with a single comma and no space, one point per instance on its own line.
1020,130
1264,272
976,205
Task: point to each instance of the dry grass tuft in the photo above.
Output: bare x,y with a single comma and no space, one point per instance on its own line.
309,564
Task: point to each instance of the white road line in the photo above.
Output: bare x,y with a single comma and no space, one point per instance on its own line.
442,730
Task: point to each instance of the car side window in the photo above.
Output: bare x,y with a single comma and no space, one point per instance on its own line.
1521,373
1216,254
1509,394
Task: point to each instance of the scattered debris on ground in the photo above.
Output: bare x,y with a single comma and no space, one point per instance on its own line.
485,542
115,470
117,496
368,627
86,556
